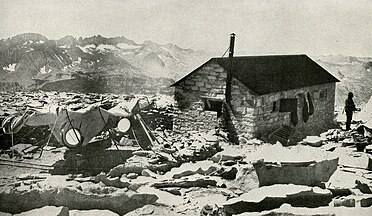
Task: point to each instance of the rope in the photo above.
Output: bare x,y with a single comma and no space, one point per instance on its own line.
50,136
225,52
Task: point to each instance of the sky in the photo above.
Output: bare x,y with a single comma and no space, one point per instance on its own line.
313,27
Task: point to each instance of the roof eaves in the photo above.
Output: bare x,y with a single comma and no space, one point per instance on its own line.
334,78
183,78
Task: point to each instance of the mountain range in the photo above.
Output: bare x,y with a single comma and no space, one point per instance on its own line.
32,61
120,65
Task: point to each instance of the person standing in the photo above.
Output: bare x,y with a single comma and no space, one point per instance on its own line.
349,109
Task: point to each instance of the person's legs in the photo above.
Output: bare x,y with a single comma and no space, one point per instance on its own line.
349,117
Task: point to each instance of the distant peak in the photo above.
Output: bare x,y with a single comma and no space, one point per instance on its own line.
29,36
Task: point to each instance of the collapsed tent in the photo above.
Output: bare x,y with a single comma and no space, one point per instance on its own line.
77,128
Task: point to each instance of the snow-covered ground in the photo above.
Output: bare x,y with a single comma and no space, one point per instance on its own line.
10,67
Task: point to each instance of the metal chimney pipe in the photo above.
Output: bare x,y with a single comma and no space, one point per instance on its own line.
229,71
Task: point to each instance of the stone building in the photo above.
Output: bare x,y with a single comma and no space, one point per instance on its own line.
272,97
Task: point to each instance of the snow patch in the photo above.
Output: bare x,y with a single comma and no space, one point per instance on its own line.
104,47
43,71
127,46
78,61
87,48
10,67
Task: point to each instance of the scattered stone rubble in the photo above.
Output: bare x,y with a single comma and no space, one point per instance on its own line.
200,174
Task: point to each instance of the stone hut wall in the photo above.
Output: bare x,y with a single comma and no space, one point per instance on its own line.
251,115
242,108
323,98
207,82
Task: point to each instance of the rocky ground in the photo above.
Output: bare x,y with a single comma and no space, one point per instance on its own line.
186,174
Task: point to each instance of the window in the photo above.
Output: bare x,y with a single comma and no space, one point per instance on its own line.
322,94
213,105
275,106
285,105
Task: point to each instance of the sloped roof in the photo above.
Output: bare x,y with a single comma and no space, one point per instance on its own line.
274,73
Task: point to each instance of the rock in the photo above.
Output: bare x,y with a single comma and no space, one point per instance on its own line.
314,141
19,148
130,167
210,137
30,177
344,201
196,181
84,179
120,201
229,163
148,173
224,156
366,202
47,211
153,210
363,187
209,210
132,175
163,167
228,173
115,182
287,210
271,197
340,191
188,169
92,212
174,191
246,178
309,173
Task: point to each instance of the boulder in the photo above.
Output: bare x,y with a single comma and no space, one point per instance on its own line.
246,178
14,201
120,201
271,197
47,211
311,173
133,165
366,202
287,210
314,141
344,201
